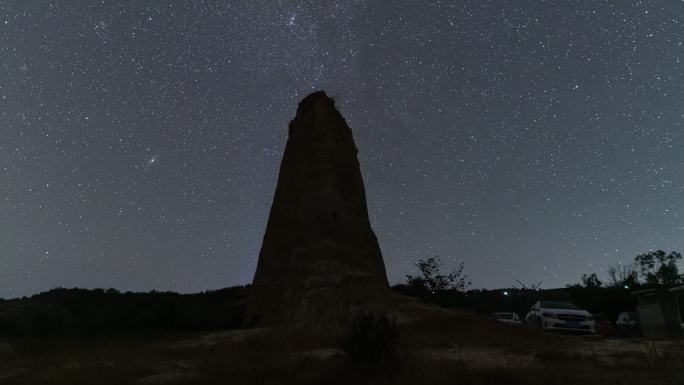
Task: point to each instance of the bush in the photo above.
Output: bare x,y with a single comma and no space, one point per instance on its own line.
373,343
90,313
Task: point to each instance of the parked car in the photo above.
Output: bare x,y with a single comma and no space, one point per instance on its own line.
560,316
509,318
603,326
628,324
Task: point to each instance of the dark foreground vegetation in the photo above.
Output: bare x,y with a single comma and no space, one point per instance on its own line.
79,336
101,313
444,347
82,313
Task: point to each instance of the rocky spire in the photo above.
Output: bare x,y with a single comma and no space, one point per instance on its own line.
319,258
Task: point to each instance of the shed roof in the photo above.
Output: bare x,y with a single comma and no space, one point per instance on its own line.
644,291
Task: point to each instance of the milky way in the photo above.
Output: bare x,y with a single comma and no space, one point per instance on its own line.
533,140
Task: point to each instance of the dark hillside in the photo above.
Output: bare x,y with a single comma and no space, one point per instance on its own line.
98,312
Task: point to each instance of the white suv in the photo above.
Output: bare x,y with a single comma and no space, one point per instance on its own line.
561,316
628,324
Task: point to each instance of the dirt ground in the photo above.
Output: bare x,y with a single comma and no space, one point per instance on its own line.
446,348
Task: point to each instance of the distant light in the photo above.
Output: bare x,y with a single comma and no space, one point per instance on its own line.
505,292
626,286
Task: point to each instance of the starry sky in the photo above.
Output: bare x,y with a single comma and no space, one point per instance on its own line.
533,140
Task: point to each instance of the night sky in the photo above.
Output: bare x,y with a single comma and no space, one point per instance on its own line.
533,140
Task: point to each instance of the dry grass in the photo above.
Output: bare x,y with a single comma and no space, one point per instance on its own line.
438,349
444,330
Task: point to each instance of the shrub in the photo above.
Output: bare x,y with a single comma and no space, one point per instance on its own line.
373,344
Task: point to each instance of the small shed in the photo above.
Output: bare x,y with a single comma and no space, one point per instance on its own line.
678,294
660,312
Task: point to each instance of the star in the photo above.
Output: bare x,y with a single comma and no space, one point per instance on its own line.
150,162
291,20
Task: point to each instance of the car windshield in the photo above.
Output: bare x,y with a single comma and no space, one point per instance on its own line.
503,316
559,305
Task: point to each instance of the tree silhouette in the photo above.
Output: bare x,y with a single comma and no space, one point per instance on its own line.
658,268
591,281
432,280
623,276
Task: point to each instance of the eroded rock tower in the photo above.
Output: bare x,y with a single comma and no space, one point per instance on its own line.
320,258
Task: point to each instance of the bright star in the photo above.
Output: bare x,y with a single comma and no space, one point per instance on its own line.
154,159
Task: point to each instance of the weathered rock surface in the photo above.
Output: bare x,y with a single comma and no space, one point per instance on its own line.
320,259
